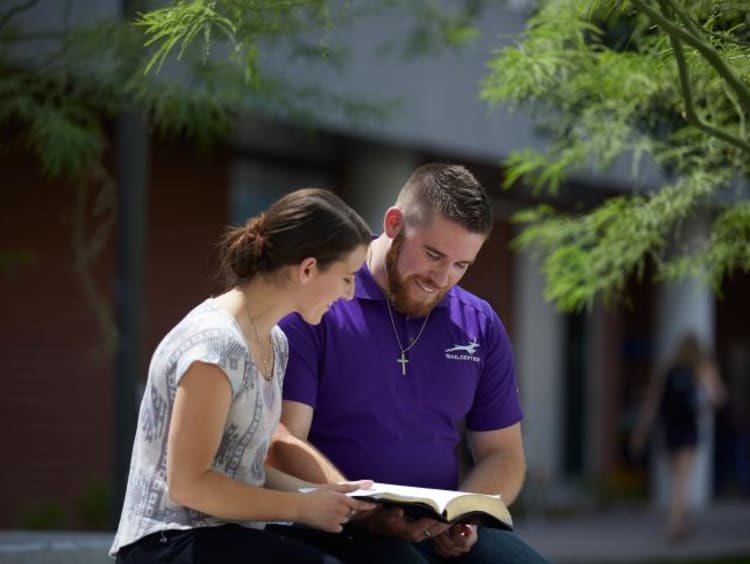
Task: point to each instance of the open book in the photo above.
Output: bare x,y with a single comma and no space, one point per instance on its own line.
441,505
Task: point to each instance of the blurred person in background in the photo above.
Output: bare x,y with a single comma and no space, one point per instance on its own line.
675,399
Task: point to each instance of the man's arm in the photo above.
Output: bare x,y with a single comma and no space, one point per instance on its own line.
499,467
499,462
292,453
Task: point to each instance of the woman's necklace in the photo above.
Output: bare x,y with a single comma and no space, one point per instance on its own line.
266,372
402,360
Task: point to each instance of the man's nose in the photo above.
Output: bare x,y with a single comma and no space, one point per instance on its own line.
440,276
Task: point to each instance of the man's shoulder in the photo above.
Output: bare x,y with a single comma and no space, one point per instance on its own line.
462,299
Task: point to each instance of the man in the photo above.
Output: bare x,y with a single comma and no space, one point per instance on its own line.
382,385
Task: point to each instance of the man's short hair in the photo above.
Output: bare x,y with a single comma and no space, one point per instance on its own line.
450,190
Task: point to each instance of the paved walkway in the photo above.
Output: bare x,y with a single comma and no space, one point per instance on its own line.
637,535
612,537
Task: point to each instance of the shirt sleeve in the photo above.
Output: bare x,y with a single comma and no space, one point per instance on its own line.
496,403
303,367
282,357
218,348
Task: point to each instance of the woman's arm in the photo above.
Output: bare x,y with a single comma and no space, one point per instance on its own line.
711,380
648,411
278,480
198,417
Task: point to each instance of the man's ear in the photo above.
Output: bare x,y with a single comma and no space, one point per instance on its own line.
306,269
393,222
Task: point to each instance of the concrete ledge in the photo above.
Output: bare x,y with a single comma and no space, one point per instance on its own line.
54,547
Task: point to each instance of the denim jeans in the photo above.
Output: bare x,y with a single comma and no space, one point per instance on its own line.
355,546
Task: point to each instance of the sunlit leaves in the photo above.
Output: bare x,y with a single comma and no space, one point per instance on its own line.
603,79
176,27
594,253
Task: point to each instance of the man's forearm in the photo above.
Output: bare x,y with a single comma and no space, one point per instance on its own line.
497,473
299,458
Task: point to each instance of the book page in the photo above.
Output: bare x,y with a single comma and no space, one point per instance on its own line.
441,498
442,501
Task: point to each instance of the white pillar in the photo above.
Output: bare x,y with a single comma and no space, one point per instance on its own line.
537,346
685,306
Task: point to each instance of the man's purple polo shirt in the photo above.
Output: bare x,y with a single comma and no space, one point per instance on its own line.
372,421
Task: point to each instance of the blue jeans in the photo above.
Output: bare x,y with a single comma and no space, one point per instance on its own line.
355,546
494,546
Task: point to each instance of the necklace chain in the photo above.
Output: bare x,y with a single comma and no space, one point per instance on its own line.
266,373
402,360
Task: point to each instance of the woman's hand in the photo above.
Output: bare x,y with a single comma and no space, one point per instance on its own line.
329,508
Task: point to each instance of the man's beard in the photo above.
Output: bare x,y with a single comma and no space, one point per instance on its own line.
398,286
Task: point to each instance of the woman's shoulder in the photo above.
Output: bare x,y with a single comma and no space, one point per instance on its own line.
208,323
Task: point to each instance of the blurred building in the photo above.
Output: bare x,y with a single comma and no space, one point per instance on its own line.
580,376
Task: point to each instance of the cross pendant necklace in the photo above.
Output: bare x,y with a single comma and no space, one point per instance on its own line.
402,360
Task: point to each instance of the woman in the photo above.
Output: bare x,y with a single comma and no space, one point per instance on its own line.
199,489
690,384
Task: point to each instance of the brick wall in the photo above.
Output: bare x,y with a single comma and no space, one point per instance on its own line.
56,405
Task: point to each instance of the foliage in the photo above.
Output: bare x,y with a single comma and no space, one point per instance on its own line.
205,66
206,63
12,261
45,516
60,101
653,81
192,67
93,506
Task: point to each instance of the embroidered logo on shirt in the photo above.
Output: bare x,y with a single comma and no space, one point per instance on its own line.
463,352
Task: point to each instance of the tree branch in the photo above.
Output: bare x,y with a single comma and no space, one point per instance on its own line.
10,14
698,29
689,22
709,53
691,114
731,95
88,242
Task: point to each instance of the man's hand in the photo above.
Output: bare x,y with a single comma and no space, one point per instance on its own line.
455,541
391,522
